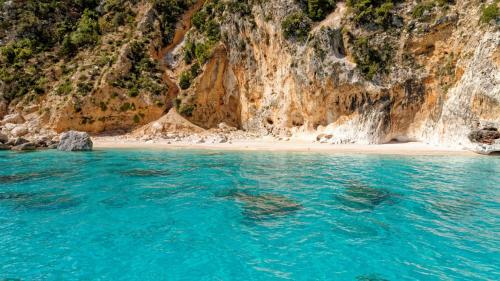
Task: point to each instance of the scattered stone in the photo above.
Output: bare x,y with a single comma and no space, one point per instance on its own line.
225,127
17,141
324,138
24,147
216,139
19,131
15,118
75,141
487,135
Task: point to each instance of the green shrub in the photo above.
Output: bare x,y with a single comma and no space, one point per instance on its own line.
133,92
370,60
198,20
186,109
212,30
319,9
65,88
372,11
490,12
87,32
189,52
202,52
137,119
421,8
239,7
195,70
185,80
297,26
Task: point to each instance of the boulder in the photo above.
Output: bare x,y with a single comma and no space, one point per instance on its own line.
24,147
4,147
19,131
487,135
487,149
15,118
324,138
3,138
75,141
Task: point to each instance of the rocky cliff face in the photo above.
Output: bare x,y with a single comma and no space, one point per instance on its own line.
393,70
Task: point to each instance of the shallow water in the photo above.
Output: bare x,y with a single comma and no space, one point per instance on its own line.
200,215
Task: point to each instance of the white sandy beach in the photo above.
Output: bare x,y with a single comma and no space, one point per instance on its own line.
410,148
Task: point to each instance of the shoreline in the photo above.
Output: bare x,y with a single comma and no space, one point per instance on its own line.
410,148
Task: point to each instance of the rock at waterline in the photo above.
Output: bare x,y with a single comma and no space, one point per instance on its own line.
4,147
24,147
75,141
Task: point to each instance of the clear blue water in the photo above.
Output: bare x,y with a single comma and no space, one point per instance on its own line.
206,215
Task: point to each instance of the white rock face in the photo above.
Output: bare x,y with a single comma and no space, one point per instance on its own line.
474,100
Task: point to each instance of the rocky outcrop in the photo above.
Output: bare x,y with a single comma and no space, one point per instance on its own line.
75,141
431,77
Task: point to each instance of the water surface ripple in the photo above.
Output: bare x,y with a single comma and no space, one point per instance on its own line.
204,215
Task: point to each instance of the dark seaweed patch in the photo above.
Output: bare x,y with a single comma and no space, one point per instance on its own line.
39,201
359,196
262,206
370,277
115,202
9,179
23,177
145,173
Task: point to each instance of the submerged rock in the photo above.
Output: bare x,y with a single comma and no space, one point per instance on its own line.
264,205
363,197
75,141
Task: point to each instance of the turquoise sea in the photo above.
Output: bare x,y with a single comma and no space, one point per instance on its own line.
210,215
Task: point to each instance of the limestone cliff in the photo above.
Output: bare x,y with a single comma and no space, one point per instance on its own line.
364,73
